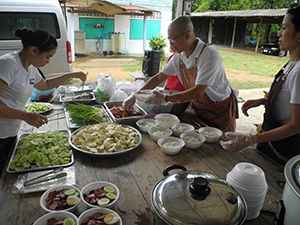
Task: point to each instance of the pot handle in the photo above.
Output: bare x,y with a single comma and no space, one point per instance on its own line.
172,167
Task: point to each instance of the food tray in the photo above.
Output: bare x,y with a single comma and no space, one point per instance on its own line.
75,126
106,154
126,120
45,103
67,98
37,168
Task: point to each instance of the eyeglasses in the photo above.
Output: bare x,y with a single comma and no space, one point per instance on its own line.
172,40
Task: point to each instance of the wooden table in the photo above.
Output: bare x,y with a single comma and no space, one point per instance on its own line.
135,174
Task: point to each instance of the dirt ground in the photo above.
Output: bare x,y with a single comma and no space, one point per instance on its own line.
95,64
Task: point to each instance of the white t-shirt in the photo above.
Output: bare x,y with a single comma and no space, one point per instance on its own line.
289,94
210,70
20,83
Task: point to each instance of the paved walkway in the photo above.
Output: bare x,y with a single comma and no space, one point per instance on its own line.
246,124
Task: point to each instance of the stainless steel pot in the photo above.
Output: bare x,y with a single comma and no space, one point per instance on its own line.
288,208
193,197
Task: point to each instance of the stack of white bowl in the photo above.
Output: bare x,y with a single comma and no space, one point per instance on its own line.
250,181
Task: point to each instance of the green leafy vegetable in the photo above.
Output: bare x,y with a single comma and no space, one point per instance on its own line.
37,107
83,115
42,149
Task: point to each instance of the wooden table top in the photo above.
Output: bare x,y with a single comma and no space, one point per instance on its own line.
136,173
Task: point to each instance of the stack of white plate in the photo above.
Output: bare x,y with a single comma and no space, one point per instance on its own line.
250,181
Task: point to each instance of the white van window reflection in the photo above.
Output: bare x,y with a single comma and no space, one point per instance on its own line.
11,21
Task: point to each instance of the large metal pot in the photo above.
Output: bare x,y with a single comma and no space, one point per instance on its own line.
288,207
193,197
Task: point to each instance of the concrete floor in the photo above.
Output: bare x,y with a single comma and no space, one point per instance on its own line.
246,124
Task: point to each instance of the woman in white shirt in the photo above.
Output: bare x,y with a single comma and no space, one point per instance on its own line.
280,138
18,75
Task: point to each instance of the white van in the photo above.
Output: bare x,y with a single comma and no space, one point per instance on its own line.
36,14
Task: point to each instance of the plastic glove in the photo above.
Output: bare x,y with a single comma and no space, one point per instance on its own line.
238,141
129,102
156,98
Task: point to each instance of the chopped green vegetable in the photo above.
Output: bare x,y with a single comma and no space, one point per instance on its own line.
40,150
83,115
37,107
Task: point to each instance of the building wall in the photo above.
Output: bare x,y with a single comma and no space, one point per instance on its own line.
122,25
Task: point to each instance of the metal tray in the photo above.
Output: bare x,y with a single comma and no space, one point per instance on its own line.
37,168
67,98
126,120
75,126
106,154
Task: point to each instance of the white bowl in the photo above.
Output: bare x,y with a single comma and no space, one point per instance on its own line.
99,184
166,120
159,132
58,188
179,128
92,211
145,124
211,134
175,149
192,140
59,215
143,95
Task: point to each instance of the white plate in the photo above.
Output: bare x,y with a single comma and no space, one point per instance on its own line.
46,103
106,154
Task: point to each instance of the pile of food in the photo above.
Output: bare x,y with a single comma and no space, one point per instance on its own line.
100,196
37,107
83,115
54,221
41,150
101,218
191,138
120,112
62,199
105,138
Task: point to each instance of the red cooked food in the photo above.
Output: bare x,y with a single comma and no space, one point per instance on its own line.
95,195
97,218
54,221
120,112
57,200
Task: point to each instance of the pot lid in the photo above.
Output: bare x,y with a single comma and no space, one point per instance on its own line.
193,197
292,174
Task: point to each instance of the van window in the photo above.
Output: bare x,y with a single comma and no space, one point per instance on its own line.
11,21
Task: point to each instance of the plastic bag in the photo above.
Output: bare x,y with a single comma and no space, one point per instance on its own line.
135,86
106,83
119,95
123,83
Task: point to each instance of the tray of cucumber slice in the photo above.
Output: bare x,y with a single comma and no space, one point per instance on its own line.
41,150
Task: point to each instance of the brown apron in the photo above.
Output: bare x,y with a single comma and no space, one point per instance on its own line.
219,114
286,148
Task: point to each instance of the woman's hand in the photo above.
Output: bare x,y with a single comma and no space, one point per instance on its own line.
251,104
238,142
81,75
35,119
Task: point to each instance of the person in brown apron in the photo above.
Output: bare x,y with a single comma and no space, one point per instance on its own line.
220,112
280,136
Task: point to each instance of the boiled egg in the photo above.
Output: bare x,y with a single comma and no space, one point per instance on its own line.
111,218
103,202
72,200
